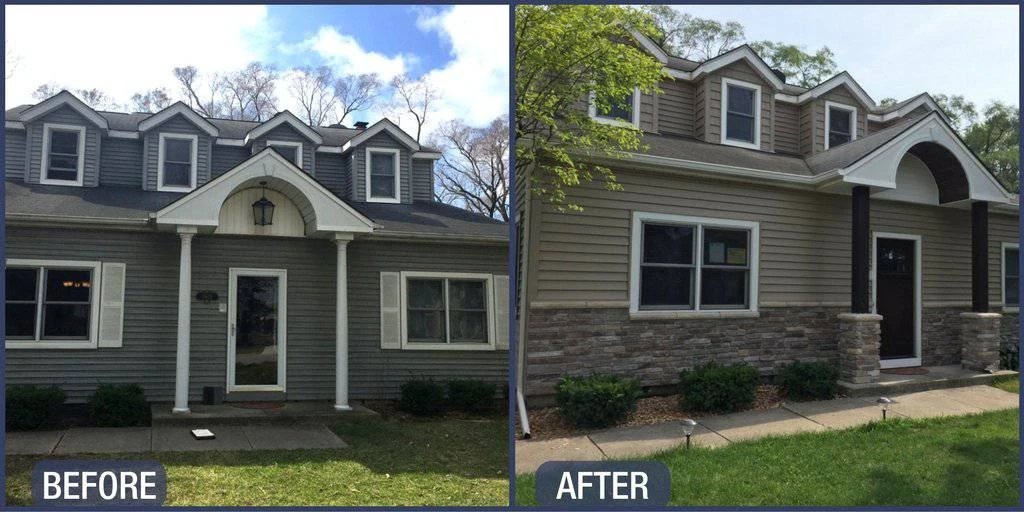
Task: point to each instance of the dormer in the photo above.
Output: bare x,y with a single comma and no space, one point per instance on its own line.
380,162
63,137
290,137
177,149
833,113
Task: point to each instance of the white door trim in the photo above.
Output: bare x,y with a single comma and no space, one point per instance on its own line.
282,328
908,361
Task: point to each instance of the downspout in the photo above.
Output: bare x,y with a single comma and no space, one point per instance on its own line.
524,252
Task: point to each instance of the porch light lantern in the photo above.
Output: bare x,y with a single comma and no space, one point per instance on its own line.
688,426
884,404
263,209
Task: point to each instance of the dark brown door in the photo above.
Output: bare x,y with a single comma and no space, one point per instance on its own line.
895,295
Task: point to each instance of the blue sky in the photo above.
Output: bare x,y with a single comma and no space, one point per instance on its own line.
462,50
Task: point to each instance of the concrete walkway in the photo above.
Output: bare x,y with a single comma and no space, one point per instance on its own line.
168,439
790,418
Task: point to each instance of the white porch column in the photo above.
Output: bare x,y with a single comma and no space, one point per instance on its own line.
341,325
184,320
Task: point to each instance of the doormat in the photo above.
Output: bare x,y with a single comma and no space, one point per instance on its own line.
906,371
258,405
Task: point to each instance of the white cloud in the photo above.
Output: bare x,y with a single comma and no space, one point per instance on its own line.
125,49
343,53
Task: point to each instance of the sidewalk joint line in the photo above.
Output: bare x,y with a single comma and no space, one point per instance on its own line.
786,407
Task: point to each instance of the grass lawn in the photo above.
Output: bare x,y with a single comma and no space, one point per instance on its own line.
965,460
1009,383
390,462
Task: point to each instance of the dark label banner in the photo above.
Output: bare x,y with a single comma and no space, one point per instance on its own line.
603,484
107,483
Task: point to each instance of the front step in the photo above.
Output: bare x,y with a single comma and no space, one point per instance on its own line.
288,413
938,377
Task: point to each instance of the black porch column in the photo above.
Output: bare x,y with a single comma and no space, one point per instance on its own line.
859,292
979,257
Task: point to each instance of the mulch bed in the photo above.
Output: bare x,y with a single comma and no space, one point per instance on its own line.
547,423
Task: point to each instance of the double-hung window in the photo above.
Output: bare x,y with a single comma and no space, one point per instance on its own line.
1011,276
741,114
447,310
382,184
842,124
624,111
51,304
290,150
177,162
63,159
681,263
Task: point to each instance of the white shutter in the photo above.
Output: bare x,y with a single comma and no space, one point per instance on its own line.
501,312
112,305
390,310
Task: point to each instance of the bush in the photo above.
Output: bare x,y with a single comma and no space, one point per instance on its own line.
597,400
471,395
1009,357
30,407
809,381
119,405
716,388
422,397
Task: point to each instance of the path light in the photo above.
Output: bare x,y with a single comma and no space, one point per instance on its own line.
263,209
884,403
688,426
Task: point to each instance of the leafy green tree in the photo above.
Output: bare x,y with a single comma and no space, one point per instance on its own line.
800,67
996,141
563,55
687,36
961,113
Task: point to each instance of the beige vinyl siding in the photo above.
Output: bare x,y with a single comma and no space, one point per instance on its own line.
675,108
804,249
807,131
1001,228
787,128
739,71
700,121
838,95
648,112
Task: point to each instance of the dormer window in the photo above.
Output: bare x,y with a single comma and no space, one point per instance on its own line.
290,150
841,121
741,114
625,111
382,185
177,162
63,155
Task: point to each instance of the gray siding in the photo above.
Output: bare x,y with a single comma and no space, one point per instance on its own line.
14,154
63,115
648,112
151,148
675,108
422,179
226,158
288,134
332,173
121,163
381,140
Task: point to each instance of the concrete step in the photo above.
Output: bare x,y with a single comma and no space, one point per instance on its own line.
288,413
938,377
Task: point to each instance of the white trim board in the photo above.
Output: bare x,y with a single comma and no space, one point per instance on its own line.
282,327
179,108
284,117
384,125
58,100
918,272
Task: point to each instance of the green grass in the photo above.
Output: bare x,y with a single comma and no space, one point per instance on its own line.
435,463
1009,383
965,460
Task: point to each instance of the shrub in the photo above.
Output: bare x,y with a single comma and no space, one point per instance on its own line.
471,395
119,405
809,381
1009,357
597,400
422,397
716,388
30,407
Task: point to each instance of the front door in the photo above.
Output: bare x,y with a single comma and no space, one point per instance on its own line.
256,329
896,299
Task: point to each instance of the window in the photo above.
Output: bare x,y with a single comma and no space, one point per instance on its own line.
1011,276
177,162
290,150
63,158
382,184
624,111
741,114
51,304
842,124
447,310
692,264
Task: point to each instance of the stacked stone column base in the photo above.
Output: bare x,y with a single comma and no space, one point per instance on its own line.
979,341
860,336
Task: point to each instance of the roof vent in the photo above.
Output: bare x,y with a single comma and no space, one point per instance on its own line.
361,125
780,74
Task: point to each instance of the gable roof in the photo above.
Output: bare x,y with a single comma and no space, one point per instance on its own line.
384,125
178,108
842,79
284,117
61,99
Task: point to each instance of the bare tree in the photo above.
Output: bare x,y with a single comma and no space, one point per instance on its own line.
356,92
474,166
189,78
11,60
95,98
413,97
249,92
314,88
153,100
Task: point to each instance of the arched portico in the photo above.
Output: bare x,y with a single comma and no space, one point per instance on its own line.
320,214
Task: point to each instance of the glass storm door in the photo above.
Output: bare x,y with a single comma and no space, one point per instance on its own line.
256,330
